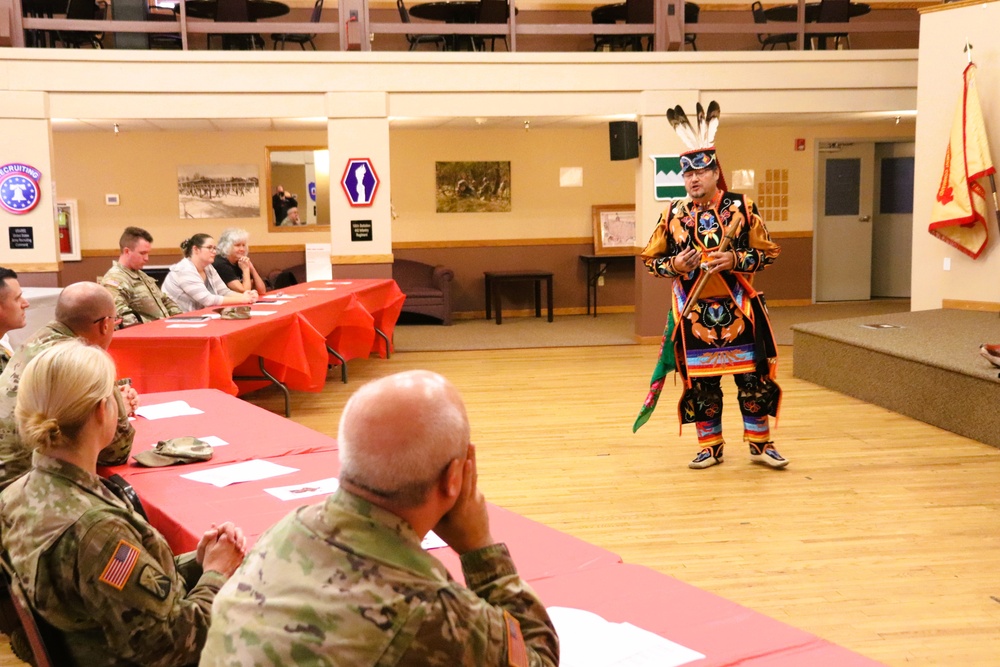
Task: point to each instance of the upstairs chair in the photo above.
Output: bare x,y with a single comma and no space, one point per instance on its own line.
84,10
234,11
833,11
164,40
439,41
769,40
606,15
131,10
691,13
300,38
639,11
491,11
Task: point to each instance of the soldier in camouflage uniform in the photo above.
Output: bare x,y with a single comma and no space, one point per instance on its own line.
89,564
84,311
12,307
346,582
137,297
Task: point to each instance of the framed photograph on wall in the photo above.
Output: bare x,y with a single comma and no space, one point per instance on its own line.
472,187
68,223
614,229
218,191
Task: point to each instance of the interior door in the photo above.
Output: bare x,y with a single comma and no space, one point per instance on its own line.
843,256
892,231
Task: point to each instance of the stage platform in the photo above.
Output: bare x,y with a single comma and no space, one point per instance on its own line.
924,365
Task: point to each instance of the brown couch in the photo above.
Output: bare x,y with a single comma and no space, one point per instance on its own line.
427,288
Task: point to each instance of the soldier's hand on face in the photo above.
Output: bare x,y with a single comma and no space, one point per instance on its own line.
466,527
130,397
720,261
686,260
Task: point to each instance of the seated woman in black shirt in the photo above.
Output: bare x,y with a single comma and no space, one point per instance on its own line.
232,263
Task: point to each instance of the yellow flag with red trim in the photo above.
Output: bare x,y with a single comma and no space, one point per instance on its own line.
958,216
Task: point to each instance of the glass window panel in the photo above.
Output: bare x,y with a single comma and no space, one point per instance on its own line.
843,186
896,185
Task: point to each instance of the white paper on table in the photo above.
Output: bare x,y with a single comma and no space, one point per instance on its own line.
432,541
261,313
164,410
588,640
280,295
248,471
187,325
318,488
321,289
270,302
213,440
341,282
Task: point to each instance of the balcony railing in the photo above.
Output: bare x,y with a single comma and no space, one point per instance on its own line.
668,28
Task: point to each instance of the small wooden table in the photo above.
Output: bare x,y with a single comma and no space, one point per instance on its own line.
496,278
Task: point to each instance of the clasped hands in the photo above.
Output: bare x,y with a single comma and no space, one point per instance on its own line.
222,548
688,260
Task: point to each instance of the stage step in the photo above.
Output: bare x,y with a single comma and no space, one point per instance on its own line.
924,365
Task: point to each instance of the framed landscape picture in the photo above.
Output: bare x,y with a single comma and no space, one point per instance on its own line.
614,229
472,187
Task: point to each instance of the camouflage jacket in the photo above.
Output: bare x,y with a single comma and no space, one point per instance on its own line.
15,456
137,298
95,570
346,583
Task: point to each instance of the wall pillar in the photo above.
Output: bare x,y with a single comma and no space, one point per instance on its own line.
359,128
28,141
652,294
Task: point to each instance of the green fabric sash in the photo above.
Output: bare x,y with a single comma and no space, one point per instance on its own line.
664,365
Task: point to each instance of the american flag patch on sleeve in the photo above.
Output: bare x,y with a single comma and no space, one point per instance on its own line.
118,569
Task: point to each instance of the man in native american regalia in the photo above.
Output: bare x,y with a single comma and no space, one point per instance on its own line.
711,243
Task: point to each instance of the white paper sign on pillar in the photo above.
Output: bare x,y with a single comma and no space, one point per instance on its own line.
318,265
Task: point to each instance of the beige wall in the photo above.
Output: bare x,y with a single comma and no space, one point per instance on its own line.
943,35
141,168
540,208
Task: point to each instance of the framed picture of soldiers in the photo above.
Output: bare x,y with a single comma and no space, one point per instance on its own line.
218,191
614,229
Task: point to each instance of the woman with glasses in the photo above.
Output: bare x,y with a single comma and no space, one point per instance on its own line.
194,283
89,564
232,262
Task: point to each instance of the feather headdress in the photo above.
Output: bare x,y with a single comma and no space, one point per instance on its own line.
700,140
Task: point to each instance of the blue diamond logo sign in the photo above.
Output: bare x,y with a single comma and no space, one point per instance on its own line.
668,183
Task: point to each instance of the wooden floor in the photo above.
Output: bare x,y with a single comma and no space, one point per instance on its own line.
883,535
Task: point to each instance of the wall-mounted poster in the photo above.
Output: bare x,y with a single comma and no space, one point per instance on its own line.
69,230
218,191
472,187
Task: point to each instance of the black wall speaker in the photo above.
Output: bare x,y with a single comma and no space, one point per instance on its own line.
624,136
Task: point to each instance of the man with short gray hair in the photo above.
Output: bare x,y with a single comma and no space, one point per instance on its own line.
346,582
